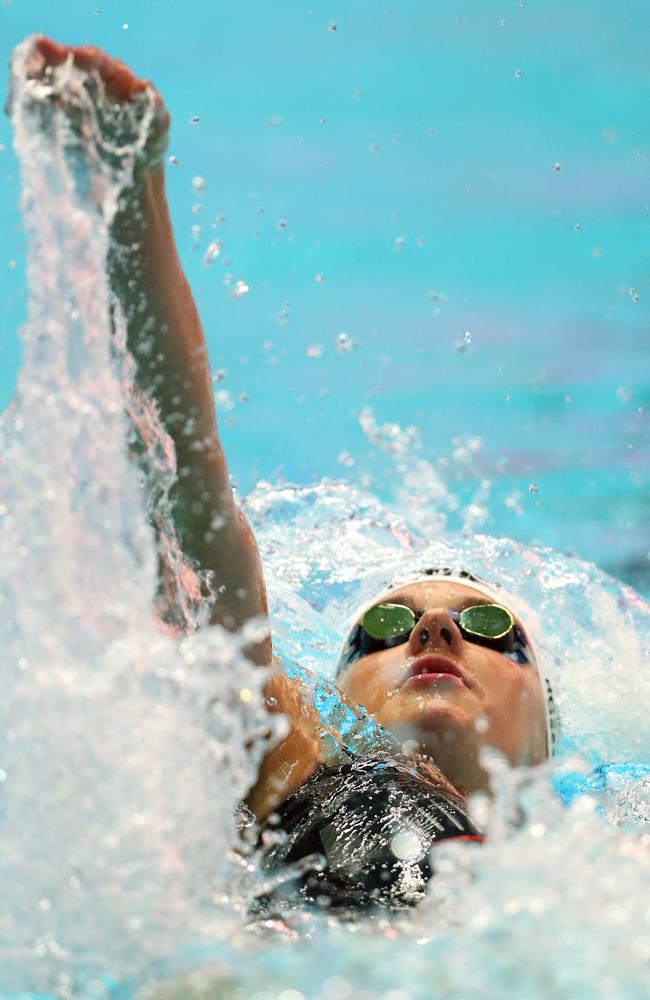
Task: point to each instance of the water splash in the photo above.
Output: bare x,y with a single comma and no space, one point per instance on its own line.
122,748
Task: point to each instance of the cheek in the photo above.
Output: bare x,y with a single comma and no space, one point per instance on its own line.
514,706
367,682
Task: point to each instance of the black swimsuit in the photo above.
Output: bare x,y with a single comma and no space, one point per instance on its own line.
358,835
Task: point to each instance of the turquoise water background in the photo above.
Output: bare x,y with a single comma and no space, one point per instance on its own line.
405,175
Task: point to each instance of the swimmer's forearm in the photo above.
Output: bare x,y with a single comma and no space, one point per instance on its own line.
166,340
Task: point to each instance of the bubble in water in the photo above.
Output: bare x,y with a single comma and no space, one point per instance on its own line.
315,351
519,73
198,184
577,227
533,488
125,27
281,224
319,279
399,242
634,295
173,161
556,168
332,27
194,120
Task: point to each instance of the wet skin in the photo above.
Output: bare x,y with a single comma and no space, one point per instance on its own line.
485,699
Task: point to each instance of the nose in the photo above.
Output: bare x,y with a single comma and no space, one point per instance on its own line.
436,631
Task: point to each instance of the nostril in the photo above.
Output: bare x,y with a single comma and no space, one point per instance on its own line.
446,635
424,637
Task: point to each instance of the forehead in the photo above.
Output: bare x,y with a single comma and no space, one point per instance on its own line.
438,593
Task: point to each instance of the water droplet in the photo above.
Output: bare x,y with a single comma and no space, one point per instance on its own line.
281,224
212,252
173,161
2,147
373,148
314,351
344,343
459,20
519,73
345,458
11,264
634,295
125,27
245,695
322,119
556,168
319,279
399,242
407,846
624,393
243,397
467,337
577,227
273,121
239,290
97,12
198,184
194,120
508,397
481,725
356,94
533,488
332,27
220,375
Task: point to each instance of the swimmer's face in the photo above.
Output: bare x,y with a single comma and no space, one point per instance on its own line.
463,697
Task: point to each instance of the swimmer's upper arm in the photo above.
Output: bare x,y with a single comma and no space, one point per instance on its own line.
172,368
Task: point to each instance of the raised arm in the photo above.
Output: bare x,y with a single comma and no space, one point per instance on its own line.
165,338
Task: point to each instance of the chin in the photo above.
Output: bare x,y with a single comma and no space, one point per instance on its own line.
429,720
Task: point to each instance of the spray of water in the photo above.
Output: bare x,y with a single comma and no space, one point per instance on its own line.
122,751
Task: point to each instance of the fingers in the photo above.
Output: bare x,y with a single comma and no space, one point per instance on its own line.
116,75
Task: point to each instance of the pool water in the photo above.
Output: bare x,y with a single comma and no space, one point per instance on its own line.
395,180
121,763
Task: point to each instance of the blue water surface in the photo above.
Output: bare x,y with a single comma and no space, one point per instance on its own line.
460,188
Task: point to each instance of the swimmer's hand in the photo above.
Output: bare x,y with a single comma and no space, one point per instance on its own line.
122,101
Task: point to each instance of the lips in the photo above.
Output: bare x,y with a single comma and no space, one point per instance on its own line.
433,667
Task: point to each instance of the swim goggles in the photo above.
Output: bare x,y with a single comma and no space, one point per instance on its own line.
387,625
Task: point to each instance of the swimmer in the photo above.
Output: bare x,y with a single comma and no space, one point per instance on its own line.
440,660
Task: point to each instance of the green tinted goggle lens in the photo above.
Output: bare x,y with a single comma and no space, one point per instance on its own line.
489,621
387,621
485,621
